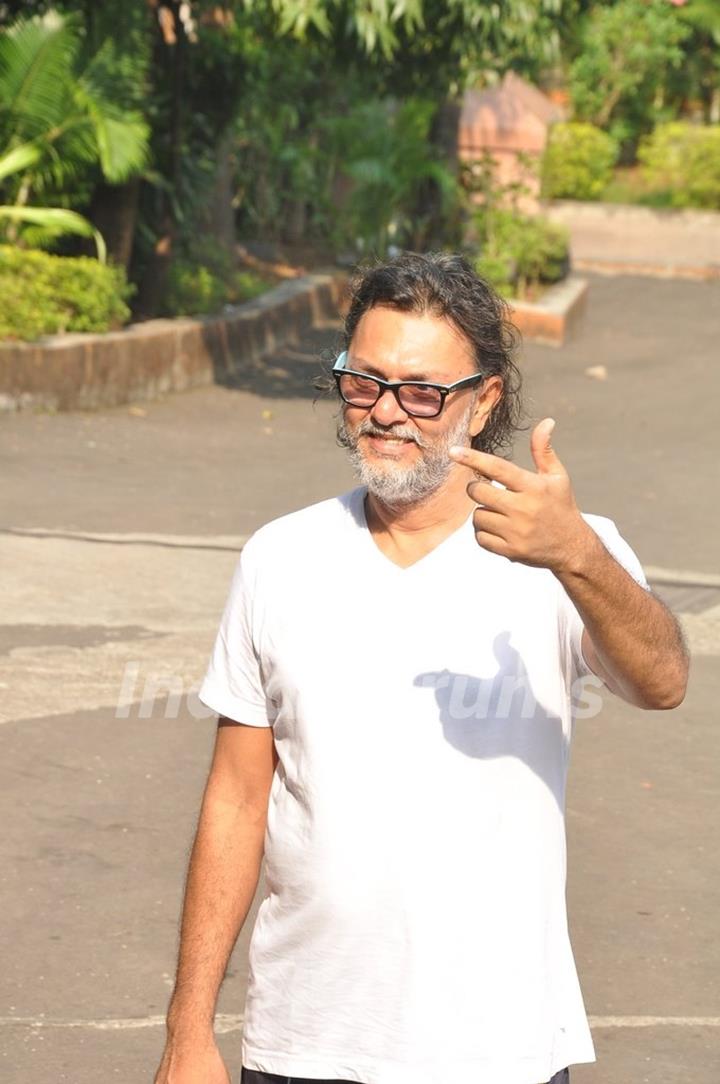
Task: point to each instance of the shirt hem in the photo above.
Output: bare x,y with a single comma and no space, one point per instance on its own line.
240,711
360,1070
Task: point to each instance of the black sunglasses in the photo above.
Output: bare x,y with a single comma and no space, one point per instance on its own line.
419,398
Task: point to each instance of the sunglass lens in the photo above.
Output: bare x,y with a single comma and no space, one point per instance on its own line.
419,400
358,390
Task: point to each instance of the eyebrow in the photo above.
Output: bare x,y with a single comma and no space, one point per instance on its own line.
372,370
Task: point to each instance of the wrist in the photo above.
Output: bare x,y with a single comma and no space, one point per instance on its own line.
580,553
189,1022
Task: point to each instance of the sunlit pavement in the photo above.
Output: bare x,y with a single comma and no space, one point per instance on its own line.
121,530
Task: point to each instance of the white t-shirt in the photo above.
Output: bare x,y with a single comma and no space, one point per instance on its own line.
414,929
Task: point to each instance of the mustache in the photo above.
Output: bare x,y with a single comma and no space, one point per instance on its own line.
368,428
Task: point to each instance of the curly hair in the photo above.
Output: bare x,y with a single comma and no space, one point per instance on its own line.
446,285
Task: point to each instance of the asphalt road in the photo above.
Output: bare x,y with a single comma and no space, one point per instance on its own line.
120,531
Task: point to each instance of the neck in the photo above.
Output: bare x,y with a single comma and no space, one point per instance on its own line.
410,530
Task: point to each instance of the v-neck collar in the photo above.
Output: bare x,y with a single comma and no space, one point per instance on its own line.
360,496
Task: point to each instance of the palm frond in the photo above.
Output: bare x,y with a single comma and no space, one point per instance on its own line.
19,159
76,145
59,221
36,60
44,237
63,163
124,144
122,137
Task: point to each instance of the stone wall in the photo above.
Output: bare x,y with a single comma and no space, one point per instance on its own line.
622,238
147,360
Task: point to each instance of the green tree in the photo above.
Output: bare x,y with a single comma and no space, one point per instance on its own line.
699,75
385,152
433,50
57,120
206,76
618,80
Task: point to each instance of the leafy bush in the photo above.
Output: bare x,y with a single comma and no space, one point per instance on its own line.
541,249
519,252
196,287
44,294
682,162
498,269
384,150
630,186
578,162
193,289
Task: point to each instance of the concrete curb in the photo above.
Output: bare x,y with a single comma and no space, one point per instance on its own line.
552,319
698,273
148,360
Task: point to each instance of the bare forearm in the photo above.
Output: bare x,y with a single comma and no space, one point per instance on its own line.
635,639
222,878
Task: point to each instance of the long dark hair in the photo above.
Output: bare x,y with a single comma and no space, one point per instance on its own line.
446,285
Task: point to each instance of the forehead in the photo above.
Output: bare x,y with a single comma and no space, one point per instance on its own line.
404,346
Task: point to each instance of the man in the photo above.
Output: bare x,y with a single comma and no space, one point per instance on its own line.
395,674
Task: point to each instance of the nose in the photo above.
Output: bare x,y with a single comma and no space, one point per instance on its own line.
387,410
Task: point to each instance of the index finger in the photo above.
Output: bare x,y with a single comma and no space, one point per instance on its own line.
492,466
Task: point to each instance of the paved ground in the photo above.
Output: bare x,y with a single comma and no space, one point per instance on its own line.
120,532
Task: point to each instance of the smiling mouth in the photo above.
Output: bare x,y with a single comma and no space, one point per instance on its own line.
389,440
388,448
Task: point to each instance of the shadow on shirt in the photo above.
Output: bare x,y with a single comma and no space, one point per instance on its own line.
499,716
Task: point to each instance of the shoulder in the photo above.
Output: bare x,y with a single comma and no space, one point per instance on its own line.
317,528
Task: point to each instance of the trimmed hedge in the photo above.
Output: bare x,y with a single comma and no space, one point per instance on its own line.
682,162
578,162
44,294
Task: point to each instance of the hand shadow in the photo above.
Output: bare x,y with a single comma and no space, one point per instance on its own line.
500,715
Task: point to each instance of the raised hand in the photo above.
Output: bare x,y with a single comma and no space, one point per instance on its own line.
534,519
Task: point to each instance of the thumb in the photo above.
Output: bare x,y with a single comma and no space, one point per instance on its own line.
543,454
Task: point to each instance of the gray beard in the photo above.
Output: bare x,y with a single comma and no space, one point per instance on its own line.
396,486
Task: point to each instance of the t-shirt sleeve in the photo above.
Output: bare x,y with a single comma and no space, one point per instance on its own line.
571,624
233,685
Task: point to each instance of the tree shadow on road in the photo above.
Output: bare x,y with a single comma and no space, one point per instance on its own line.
290,372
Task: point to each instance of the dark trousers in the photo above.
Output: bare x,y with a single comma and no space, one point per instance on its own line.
254,1076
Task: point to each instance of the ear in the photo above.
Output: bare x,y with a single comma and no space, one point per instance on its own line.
488,398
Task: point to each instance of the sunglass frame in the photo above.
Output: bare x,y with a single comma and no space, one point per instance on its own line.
339,371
